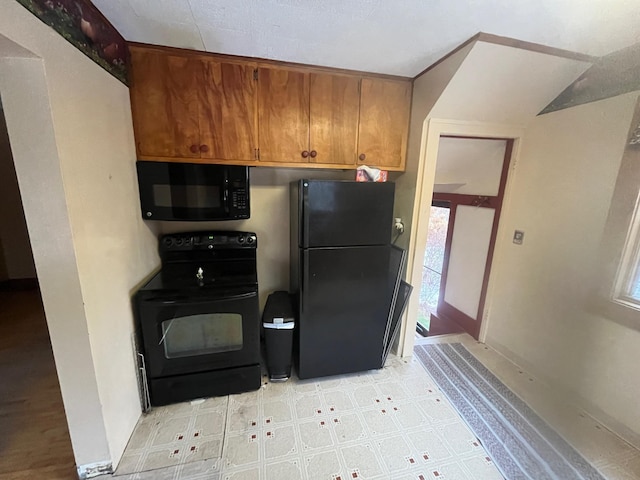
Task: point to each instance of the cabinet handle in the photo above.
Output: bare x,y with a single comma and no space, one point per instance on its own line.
313,154
204,148
305,154
361,157
194,148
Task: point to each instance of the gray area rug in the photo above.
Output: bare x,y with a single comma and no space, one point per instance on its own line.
519,442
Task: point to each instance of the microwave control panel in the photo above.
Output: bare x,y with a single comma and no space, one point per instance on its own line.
239,193
239,199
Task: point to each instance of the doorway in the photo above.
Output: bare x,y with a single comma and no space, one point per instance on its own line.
469,186
36,439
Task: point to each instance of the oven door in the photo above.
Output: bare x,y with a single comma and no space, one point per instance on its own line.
199,331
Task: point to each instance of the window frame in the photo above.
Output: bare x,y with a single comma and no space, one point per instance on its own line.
628,272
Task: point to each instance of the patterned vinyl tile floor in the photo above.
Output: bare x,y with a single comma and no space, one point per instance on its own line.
388,424
392,423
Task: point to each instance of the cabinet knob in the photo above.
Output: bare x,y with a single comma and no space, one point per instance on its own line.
313,154
361,157
305,154
204,148
194,148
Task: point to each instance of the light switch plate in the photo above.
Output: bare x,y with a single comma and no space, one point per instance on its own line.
518,237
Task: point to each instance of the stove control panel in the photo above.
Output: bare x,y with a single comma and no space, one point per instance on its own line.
213,240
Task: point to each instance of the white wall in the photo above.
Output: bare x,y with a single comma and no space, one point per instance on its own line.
70,128
469,166
540,315
504,85
16,261
426,91
490,91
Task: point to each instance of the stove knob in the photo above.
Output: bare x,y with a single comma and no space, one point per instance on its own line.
210,247
241,239
167,242
251,239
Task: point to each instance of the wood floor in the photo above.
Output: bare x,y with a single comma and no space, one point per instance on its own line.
34,439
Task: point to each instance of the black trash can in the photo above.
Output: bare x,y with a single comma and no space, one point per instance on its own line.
278,321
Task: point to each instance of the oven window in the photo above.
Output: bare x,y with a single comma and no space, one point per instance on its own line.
186,196
201,334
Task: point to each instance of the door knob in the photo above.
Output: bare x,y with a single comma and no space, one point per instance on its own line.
361,157
313,154
204,148
305,154
194,148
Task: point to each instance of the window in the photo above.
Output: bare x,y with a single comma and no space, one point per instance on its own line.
627,282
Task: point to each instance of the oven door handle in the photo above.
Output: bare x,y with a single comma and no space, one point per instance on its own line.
182,300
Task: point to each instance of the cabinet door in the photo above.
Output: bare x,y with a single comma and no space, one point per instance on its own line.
228,111
164,100
384,122
334,105
283,115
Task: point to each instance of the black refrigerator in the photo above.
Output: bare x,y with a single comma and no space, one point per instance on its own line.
344,275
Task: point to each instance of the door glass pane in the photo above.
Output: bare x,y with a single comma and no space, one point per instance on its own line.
436,239
201,334
433,263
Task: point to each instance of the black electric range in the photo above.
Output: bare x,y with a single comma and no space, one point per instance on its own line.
198,318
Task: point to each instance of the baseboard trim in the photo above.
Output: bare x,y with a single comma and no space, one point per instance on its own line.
93,470
14,284
615,426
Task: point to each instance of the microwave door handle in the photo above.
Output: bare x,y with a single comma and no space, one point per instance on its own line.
225,190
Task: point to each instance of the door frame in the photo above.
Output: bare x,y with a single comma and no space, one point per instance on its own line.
432,130
472,325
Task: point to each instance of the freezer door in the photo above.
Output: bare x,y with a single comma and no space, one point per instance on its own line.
338,213
344,303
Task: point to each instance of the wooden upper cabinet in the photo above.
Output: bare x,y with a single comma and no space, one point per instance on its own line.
189,107
164,101
307,117
384,123
228,111
283,115
334,106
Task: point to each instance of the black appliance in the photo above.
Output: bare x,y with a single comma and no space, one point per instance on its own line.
198,318
191,191
344,274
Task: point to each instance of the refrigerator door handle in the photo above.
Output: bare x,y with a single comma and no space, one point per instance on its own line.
304,277
303,209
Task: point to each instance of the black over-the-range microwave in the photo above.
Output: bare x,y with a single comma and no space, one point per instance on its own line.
193,192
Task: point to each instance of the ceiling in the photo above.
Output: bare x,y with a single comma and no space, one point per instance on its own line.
398,37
